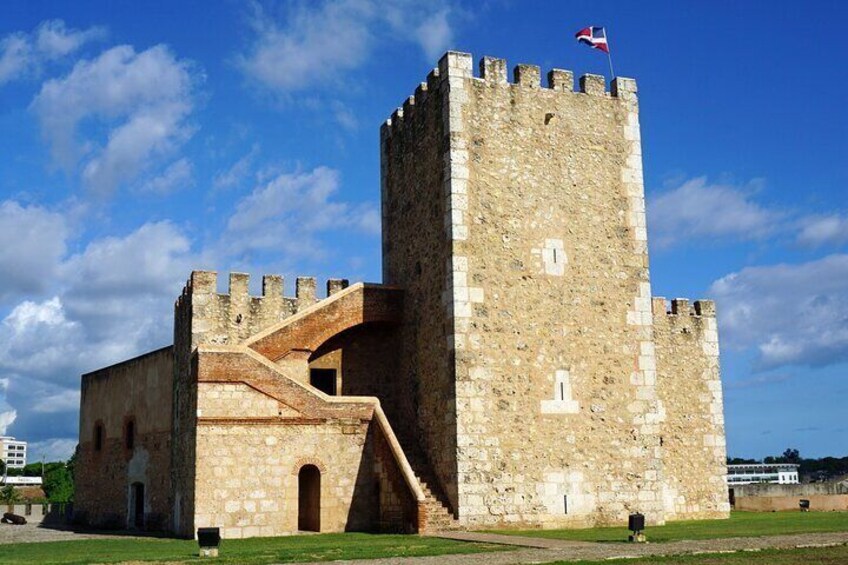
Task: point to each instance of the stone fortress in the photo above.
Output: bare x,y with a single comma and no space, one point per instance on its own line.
512,370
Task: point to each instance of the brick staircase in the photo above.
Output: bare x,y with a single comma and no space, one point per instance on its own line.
439,515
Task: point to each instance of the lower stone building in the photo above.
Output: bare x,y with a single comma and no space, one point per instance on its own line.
512,370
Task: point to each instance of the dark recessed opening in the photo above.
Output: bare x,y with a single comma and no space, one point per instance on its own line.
324,380
129,439
98,437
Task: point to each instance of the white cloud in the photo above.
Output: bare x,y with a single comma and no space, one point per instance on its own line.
116,302
32,243
22,53
7,417
54,449
237,173
54,40
142,99
67,400
318,42
435,34
288,210
15,56
7,413
178,175
37,339
791,314
700,210
823,230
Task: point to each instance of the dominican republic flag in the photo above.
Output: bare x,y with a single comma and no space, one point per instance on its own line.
595,37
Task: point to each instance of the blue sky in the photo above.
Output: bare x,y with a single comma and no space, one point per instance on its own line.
142,140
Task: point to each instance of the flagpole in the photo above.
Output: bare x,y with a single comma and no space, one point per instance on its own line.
609,56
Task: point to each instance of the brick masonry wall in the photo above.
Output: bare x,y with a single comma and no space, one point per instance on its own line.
367,362
140,389
257,427
693,428
416,257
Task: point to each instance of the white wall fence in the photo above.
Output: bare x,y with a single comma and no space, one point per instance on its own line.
50,513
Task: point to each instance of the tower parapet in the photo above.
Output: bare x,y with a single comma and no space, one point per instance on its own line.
224,318
493,71
689,384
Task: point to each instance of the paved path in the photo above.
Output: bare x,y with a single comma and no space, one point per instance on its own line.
562,550
34,533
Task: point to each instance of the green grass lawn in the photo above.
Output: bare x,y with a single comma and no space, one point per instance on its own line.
740,524
254,551
818,555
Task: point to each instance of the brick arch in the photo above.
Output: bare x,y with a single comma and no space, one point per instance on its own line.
298,465
304,333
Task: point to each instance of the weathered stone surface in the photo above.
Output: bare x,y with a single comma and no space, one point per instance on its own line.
513,370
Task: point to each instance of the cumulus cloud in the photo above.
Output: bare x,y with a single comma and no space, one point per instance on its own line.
53,449
816,231
791,314
32,242
237,173
434,34
121,288
115,302
61,401
25,53
119,114
288,210
178,175
54,40
7,413
701,210
317,42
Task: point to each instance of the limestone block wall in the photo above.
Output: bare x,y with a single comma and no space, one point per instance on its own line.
417,247
692,431
546,290
256,428
236,316
247,476
202,316
137,391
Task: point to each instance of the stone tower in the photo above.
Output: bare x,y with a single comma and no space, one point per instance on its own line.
514,218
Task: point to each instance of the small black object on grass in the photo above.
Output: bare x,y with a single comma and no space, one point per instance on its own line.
804,504
209,539
636,524
11,518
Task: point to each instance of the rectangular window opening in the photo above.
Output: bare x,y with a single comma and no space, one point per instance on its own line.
324,380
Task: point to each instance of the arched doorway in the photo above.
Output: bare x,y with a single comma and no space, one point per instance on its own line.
309,499
136,513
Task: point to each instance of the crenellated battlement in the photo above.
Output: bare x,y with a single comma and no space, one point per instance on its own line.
493,71
206,282
682,307
236,315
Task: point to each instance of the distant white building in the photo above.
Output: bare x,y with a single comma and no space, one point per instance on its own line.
13,452
779,473
21,481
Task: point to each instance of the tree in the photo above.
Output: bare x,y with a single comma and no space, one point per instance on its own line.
9,495
791,456
58,482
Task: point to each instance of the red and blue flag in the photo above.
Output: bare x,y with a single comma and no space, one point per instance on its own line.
595,37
